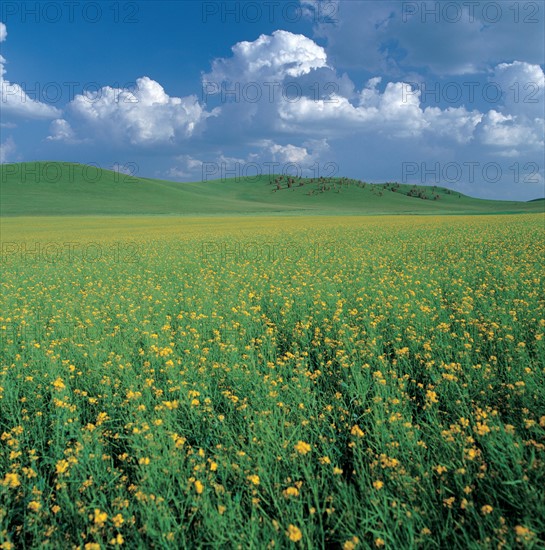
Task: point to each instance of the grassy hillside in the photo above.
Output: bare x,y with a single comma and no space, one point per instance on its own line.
53,188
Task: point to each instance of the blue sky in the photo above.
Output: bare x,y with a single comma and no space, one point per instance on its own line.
420,92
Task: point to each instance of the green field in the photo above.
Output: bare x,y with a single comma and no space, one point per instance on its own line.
225,365
272,381
59,189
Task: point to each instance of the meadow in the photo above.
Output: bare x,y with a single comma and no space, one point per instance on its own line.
273,382
67,189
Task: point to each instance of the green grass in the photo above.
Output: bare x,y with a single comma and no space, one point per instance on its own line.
214,365
201,384
60,189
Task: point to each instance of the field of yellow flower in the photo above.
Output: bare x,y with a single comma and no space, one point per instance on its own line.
348,382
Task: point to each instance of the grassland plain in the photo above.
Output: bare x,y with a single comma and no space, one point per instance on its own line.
302,382
61,188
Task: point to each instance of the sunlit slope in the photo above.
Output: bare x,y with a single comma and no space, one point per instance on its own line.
52,189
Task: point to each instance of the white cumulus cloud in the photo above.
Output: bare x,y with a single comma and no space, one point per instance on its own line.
270,56
145,116
304,157
509,131
14,101
392,112
518,123
60,130
453,122
523,87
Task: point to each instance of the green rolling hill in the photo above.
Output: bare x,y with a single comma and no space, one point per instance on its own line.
62,189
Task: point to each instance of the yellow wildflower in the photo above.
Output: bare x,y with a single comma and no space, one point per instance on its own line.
34,506
294,533
351,544
291,492
11,480
254,479
302,448
356,431
118,520
58,384
99,517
